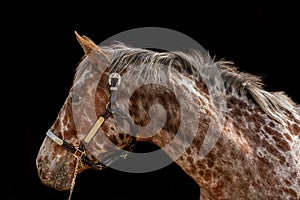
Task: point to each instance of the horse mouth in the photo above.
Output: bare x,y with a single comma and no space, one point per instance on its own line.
59,182
62,182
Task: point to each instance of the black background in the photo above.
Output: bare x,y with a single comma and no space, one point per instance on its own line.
43,52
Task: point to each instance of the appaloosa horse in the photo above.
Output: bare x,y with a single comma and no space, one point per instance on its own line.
256,154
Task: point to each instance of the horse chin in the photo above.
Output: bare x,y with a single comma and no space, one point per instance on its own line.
60,182
62,185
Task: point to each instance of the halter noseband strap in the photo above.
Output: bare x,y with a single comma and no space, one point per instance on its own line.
114,82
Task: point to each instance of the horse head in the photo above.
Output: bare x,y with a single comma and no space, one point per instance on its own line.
71,137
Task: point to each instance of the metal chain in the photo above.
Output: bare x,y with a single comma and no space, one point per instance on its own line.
78,160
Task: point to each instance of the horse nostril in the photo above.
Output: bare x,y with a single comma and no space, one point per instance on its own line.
39,171
39,166
59,169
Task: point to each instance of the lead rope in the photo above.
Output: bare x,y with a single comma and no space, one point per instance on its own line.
78,159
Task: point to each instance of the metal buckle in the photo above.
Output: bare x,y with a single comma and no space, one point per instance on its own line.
79,153
114,76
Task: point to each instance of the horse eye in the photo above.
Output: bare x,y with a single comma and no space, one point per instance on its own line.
74,98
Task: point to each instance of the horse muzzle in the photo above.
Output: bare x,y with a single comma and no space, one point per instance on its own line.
58,177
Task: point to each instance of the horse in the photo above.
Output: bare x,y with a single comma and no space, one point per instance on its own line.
121,94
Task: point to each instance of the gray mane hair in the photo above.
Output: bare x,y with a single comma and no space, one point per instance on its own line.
150,63
275,104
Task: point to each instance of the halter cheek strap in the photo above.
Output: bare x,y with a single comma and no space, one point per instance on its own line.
97,126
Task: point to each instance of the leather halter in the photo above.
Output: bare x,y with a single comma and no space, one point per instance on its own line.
80,151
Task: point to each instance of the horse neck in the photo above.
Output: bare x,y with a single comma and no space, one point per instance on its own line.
177,112
251,143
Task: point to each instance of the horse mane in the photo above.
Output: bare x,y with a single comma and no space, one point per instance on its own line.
277,105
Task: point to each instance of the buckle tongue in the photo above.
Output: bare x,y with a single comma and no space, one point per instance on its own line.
114,81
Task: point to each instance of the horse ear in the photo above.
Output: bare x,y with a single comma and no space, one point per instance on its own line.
90,48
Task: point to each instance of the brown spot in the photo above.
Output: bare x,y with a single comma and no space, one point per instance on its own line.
207,175
265,163
283,145
275,152
188,151
295,129
287,136
272,132
257,127
201,172
242,105
190,159
193,168
290,191
105,128
271,124
294,175
200,164
287,182
113,139
210,163
258,118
